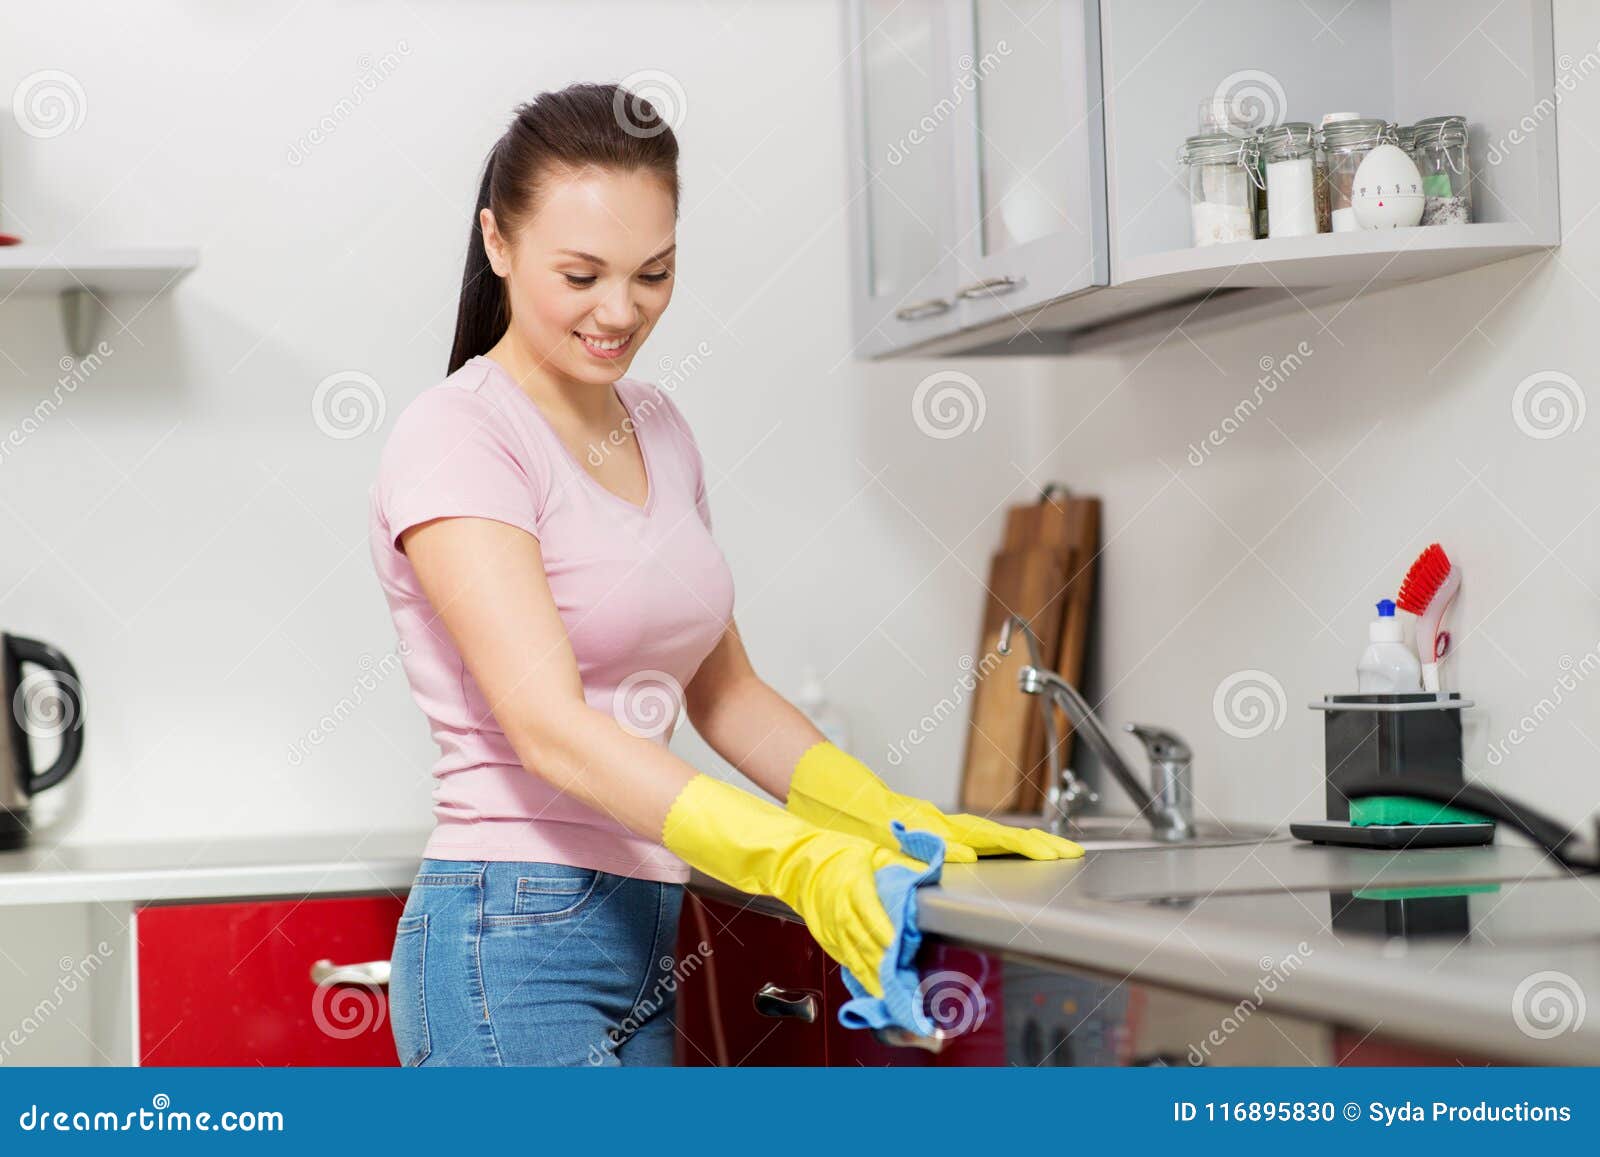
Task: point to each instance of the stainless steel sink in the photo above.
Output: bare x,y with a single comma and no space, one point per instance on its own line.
1109,833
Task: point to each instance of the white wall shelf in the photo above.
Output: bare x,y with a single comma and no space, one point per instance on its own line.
80,276
1369,257
1287,271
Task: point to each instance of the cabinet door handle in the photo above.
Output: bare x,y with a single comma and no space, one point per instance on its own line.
374,973
990,287
785,1003
904,1038
921,309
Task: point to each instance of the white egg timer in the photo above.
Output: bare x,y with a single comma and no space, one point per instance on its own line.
1387,190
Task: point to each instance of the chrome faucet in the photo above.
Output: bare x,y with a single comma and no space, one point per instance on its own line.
1168,804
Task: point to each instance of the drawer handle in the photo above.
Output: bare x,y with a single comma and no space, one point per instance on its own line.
903,1038
785,1003
918,310
373,974
990,287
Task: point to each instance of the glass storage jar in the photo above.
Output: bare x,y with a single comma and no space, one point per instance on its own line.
1222,187
1259,168
1440,150
1405,137
1296,179
1346,142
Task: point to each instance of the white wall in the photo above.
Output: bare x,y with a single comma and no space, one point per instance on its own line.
187,533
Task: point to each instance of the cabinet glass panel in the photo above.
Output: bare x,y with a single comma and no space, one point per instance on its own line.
903,162
1023,152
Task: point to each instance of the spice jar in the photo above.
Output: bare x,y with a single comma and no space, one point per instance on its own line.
1440,150
1297,180
1346,140
1222,187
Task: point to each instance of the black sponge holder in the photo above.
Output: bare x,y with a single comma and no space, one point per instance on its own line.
1407,740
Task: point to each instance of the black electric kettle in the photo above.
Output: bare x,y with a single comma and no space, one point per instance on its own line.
45,703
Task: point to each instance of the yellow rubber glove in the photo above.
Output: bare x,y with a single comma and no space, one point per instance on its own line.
838,791
825,876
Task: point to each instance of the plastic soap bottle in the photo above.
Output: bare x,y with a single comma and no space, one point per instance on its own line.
820,711
1388,665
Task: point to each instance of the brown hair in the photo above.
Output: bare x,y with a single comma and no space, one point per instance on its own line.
581,126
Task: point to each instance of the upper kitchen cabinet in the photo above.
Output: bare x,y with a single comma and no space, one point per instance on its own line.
1066,209
976,163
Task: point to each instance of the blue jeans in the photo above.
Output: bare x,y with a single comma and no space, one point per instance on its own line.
502,962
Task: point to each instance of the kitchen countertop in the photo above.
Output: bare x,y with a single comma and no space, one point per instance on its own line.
210,869
1115,913
1112,912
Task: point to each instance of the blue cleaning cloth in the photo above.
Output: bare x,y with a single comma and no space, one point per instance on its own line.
901,1002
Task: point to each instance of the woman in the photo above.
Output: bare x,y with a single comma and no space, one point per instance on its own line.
541,532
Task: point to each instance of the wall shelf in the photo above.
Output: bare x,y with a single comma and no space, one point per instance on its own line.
81,275
1369,257
1286,270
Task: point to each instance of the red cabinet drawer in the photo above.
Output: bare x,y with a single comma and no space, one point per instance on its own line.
718,1022
230,984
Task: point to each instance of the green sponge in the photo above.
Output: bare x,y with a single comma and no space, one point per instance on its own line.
1426,891
1405,809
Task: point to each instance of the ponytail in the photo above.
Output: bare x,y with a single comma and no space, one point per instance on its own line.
481,317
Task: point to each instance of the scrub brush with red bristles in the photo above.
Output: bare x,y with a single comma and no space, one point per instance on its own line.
1427,592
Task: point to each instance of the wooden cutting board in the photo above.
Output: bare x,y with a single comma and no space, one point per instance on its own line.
1060,519
1026,582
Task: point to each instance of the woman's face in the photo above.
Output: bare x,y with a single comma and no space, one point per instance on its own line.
593,267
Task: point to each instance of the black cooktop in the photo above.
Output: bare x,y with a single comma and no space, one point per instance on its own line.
1506,913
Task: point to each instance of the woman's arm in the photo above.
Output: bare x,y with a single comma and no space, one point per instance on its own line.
744,720
487,584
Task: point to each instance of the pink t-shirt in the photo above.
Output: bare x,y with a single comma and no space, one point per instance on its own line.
645,594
